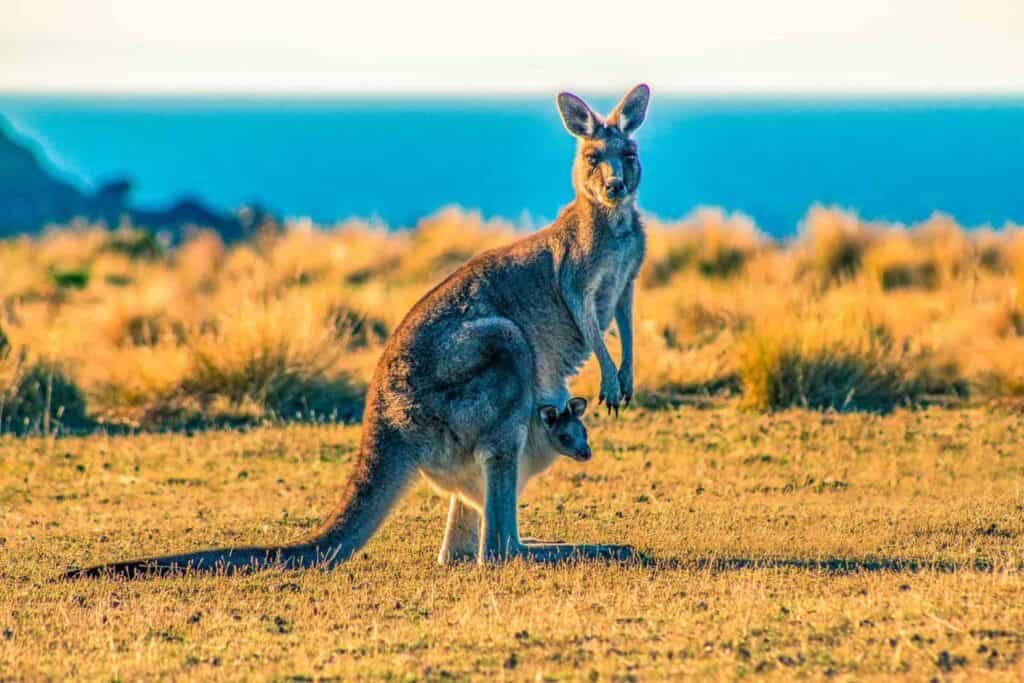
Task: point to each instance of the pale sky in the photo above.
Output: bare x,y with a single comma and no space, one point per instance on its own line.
480,46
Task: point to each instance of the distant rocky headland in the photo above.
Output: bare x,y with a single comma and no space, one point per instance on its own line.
33,196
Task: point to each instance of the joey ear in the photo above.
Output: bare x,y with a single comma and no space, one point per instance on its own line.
578,406
548,415
631,110
578,118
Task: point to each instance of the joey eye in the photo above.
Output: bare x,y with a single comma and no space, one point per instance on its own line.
564,438
629,156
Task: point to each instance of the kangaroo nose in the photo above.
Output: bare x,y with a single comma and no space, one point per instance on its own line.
615,187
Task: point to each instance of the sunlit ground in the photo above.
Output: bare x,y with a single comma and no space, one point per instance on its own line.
851,546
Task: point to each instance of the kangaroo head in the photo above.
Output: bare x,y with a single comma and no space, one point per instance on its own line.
607,168
565,430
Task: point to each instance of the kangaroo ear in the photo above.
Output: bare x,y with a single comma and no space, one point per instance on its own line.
548,415
632,110
578,118
578,406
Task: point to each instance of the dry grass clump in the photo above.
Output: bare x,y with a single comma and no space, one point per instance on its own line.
134,244
897,263
927,256
825,365
198,261
141,388
1013,255
838,246
1002,378
833,242
354,329
37,395
709,242
279,357
275,359
443,242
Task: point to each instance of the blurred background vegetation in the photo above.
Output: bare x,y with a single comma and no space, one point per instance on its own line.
111,328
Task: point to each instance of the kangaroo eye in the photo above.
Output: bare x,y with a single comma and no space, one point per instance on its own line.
593,159
630,156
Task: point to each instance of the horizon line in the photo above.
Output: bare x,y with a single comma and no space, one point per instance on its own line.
498,94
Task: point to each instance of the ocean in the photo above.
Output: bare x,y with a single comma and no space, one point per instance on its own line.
398,159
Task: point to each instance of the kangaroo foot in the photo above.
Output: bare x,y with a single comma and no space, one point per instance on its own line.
447,558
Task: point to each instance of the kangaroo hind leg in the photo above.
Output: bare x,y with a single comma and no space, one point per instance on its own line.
499,533
461,534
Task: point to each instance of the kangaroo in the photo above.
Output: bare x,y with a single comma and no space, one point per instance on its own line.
454,393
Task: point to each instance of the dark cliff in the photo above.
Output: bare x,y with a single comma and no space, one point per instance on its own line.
32,196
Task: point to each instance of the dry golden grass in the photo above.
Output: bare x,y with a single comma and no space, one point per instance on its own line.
850,315
795,544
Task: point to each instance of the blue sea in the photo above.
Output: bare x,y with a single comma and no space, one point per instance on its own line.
398,159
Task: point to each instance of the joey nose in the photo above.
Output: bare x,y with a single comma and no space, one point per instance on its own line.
615,188
584,454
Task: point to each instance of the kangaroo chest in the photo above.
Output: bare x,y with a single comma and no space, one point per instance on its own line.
614,268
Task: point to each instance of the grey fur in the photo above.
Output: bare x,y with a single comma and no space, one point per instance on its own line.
455,393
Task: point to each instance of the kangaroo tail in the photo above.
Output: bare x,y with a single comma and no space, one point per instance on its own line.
376,485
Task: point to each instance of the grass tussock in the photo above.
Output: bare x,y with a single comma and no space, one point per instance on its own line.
709,243
280,357
833,243
820,365
289,324
37,395
934,254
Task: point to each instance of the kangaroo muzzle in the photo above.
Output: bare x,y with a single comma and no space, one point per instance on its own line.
614,189
582,455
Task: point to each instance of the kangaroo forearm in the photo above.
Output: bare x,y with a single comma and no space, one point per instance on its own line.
624,322
585,318
594,339
627,348
604,357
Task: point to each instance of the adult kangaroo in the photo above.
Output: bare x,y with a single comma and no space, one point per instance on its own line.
456,391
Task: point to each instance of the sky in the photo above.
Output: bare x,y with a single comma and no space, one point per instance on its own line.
519,46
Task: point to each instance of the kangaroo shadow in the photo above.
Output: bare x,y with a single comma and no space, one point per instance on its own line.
826,565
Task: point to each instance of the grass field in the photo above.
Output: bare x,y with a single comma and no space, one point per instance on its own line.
824,464
850,546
